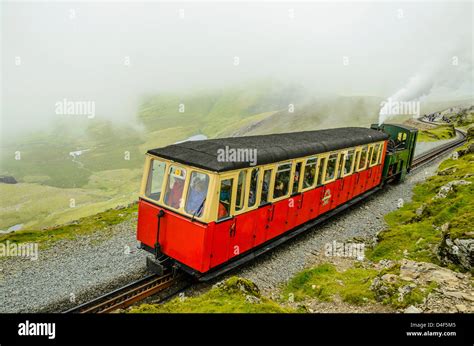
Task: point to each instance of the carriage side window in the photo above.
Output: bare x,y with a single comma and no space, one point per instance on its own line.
349,159
340,166
175,187
375,155
239,203
155,179
309,172
282,180
225,197
363,158
322,162
331,167
253,187
369,155
296,180
267,175
197,192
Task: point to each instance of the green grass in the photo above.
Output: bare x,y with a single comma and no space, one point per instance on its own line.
437,133
229,297
37,206
420,234
98,222
324,282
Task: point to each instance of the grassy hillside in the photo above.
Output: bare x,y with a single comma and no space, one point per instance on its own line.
108,171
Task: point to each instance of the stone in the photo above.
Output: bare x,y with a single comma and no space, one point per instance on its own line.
390,278
252,299
420,210
412,310
446,189
461,307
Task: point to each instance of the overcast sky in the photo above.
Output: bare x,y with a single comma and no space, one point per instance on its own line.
79,51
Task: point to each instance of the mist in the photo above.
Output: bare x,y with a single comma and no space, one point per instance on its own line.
112,54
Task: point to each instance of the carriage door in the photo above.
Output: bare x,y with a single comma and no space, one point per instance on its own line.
225,223
241,233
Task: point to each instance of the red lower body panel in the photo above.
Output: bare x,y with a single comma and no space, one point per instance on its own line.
203,247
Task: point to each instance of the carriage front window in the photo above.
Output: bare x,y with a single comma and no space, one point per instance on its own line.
155,179
197,192
175,187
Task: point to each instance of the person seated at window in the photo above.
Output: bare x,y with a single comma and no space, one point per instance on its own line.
251,198
225,195
196,197
223,212
173,198
224,203
296,181
330,172
279,190
264,192
309,177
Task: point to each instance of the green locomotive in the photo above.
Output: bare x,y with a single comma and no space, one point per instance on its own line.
400,150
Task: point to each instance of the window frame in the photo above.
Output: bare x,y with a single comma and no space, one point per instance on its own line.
245,193
351,170
185,188
206,198
374,145
370,150
360,148
274,173
292,177
315,181
324,181
233,197
257,191
147,176
206,215
271,168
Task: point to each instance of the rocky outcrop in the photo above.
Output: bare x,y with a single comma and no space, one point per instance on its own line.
446,189
444,290
459,251
7,179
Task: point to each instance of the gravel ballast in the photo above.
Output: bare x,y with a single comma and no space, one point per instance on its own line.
71,272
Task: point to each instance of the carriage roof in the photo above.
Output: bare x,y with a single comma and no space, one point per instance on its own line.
270,148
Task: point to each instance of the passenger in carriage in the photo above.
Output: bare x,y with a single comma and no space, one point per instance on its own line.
309,177
279,189
224,202
196,197
173,198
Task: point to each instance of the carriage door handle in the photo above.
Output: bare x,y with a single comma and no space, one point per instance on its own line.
232,229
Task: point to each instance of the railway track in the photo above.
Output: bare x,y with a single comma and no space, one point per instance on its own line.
436,152
127,295
150,285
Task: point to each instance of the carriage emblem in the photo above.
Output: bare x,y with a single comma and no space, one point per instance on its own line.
327,197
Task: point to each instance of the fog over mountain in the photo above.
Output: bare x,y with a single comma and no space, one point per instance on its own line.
113,54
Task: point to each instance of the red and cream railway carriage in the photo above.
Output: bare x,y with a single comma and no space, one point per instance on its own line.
205,214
